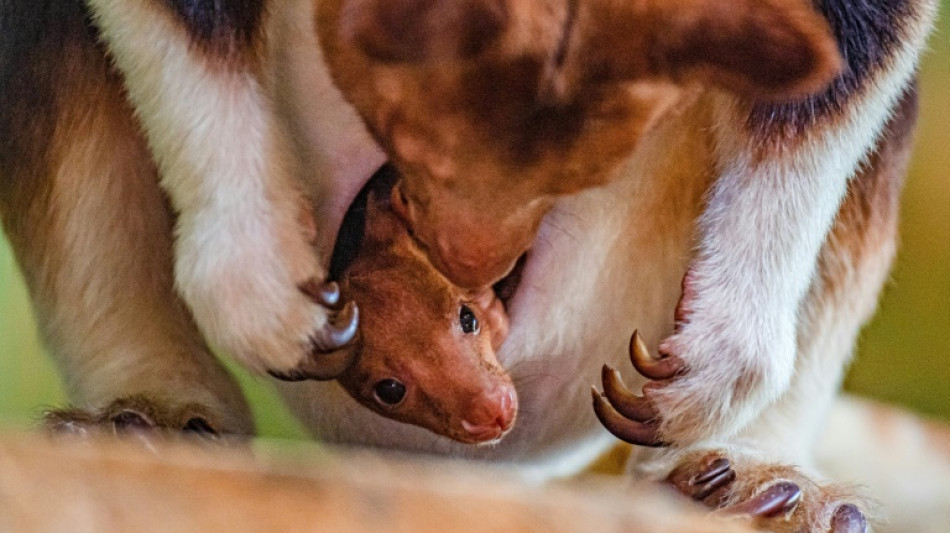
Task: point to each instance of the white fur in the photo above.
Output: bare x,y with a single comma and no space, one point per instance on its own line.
336,152
240,251
885,450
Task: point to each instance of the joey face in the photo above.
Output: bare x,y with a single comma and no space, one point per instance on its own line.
491,109
427,347
447,381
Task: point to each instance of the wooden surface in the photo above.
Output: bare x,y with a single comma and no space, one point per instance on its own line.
102,486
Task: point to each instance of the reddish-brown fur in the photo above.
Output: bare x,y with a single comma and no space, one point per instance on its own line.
410,332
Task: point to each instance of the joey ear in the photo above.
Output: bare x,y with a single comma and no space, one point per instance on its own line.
495,315
382,224
422,30
757,48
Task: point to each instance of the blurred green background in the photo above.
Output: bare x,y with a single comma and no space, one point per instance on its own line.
903,356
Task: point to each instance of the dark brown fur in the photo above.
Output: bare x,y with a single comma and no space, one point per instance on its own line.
221,25
866,32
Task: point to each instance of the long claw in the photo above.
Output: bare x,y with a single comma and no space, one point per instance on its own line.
339,331
646,364
625,402
640,433
328,359
713,482
200,427
848,519
716,468
715,473
69,422
776,500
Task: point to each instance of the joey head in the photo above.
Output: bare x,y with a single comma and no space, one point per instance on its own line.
426,351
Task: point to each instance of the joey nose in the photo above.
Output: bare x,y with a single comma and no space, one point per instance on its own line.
491,418
508,408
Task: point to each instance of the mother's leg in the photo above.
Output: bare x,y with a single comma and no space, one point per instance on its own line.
92,232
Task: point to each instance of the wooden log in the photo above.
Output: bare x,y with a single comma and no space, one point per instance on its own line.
142,485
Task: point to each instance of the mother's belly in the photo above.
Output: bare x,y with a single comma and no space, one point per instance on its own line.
335,153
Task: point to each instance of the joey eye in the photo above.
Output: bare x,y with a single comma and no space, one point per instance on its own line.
467,320
389,391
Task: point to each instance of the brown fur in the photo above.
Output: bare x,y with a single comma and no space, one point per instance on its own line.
410,333
535,110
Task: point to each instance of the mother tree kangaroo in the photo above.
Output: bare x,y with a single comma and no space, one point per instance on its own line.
176,170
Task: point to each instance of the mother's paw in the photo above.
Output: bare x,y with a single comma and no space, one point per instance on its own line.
773,497
631,418
136,416
255,287
293,330
712,392
325,357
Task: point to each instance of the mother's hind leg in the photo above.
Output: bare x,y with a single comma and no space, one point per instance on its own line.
92,233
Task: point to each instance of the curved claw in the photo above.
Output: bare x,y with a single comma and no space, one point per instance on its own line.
715,474
776,500
69,422
655,369
848,519
326,294
632,431
339,331
715,468
625,402
330,294
719,475
328,358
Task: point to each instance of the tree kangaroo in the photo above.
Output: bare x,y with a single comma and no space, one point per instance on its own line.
176,171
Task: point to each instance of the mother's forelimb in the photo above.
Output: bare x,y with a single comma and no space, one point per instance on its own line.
782,173
193,74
